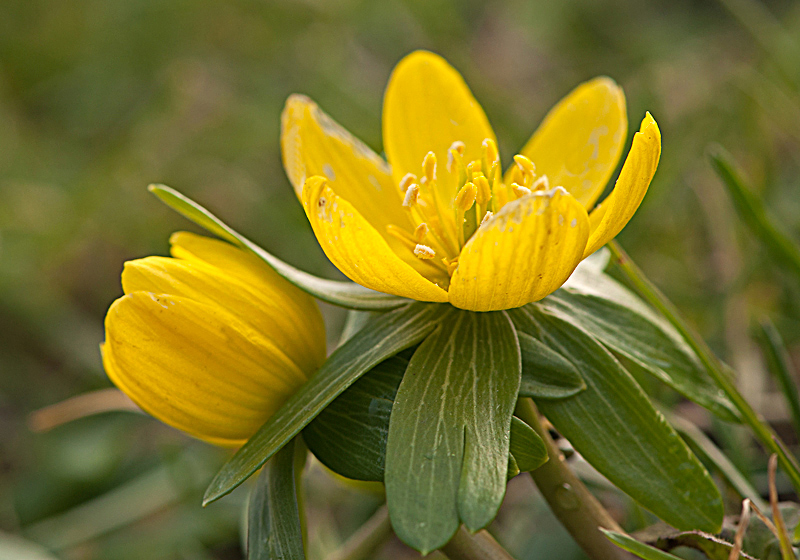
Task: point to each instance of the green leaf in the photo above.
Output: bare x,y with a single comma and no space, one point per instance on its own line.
343,294
546,374
624,324
633,546
527,448
447,453
664,537
349,436
707,450
382,337
274,529
752,211
615,428
780,364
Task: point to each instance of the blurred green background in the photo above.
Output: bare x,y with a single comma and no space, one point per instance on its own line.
99,98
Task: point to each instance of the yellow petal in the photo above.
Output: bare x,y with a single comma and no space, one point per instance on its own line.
290,308
521,254
356,249
608,219
270,305
427,107
195,366
580,140
314,144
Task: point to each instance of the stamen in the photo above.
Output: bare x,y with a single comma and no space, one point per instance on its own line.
541,184
412,194
420,232
407,179
519,191
483,191
424,252
402,235
486,217
451,265
465,197
473,168
525,165
500,196
429,167
490,151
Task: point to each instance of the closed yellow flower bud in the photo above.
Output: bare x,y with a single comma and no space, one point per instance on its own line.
211,341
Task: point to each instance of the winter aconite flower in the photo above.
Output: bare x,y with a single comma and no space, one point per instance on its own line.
441,221
212,341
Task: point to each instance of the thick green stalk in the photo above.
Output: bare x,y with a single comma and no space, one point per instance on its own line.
569,499
653,295
480,546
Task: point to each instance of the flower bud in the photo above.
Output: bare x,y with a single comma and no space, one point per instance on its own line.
211,341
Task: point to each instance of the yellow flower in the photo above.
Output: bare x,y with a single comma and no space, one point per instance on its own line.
212,341
441,222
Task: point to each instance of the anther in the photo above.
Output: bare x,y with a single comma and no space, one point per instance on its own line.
486,217
451,265
542,183
456,149
412,194
519,191
490,150
421,232
424,252
525,165
407,179
483,192
473,167
465,197
429,167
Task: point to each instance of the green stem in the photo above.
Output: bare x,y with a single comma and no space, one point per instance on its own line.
480,546
713,366
363,544
572,503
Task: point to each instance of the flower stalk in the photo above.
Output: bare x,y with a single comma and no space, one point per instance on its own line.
478,546
575,507
765,434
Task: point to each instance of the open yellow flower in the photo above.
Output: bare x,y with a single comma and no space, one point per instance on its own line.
212,341
441,222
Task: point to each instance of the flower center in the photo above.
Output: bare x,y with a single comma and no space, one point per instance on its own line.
449,207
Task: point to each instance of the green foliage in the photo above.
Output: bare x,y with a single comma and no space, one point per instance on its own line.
546,374
349,436
615,427
447,450
274,527
635,547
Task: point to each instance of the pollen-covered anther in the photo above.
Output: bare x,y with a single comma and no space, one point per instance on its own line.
424,252
519,191
541,184
421,232
483,192
429,167
457,148
525,165
465,197
490,151
486,217
408,179
412,194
